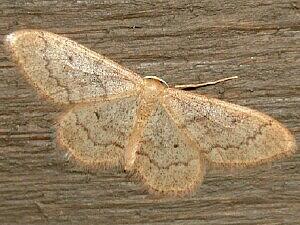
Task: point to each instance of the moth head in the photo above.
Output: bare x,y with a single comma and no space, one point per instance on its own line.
154,79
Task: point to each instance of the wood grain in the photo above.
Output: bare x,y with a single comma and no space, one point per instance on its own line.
181,42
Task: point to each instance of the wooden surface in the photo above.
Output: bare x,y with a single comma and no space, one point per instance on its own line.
181,42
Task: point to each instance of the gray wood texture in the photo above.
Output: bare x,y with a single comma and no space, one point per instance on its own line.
180,41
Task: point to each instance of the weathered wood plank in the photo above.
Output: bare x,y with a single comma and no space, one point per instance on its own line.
182,42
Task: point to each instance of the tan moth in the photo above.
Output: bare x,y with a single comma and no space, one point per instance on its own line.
165,136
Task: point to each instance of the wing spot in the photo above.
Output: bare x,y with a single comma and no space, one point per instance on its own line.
97,115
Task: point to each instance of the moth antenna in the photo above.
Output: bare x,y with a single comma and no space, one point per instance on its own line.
187,86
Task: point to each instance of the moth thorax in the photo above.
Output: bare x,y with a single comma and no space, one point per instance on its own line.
153,87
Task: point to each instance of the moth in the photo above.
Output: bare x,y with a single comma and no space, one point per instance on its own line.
164,136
